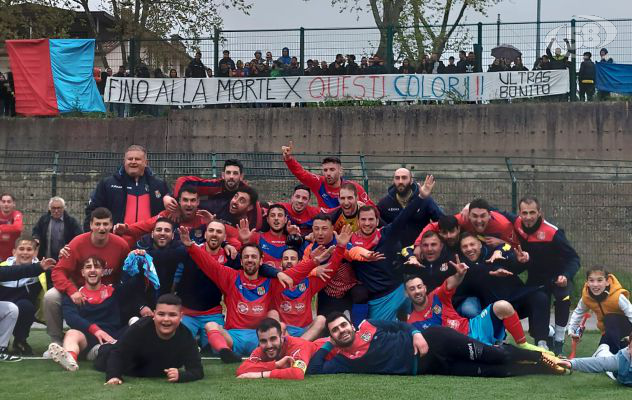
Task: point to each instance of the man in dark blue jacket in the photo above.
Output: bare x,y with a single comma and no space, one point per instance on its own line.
132,194
399,195
396,348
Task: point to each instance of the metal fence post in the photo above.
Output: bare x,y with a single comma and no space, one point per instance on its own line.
302,60
365,175
498,31
53,178
514,185
131,59
216,50
390,35
214,165
478,48
573,62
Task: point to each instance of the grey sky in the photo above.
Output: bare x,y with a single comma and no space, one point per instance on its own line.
268,14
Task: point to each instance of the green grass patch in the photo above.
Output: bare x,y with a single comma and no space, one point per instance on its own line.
43,379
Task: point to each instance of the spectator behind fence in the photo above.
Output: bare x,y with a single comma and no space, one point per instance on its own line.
132,194
364,66
225,65
10,225
352,67
586,78
470,63
518,65
558,61
603,53
238,72
496,66
173,73
158,73
460,65
293,69
436,64
285,58
209,72
338,66
7,95
451,68
406,68
55,229
196,68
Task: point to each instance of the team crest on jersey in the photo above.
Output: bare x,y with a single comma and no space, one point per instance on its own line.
366,336
444,267
242,307
299,307
157,194
221,259
436,309
258,309
541,235
302,287
452,323
261,290
286,306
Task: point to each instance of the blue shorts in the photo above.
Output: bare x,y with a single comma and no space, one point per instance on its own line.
196,326
486,327
295,331
385,307
245,341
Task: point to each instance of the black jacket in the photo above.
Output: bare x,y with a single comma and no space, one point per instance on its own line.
389,208
195,69
72,228
112,193
587,71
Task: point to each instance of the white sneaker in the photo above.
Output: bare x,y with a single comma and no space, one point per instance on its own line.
611,376
542,344
93,353
62,357
602,351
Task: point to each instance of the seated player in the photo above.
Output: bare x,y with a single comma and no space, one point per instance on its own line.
9,312
436,309
278,356
433,263
153,347
396,348
609,301
247,295
23,293
299,212
98,321
293,306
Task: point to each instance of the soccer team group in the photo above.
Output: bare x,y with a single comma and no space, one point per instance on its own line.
161,277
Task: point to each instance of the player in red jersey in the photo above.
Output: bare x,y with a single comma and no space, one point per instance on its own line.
298,209
10,225
326,187
494,228
67,274
272,241
277,357
436,309
247,295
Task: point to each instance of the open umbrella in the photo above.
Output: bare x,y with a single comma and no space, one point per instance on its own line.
506,51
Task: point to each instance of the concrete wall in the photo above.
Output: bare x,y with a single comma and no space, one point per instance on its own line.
572,130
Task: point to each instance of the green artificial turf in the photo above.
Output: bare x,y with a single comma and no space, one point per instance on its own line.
43,379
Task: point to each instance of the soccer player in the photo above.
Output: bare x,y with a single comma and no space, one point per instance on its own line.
24,293
153,347
66,275
97,321
436,309
13,276
272,241
11,225
247,295
293,306
433,266
552,263
277,356
493,226
347,212
326,187
399,195
385,290
396,348
298,209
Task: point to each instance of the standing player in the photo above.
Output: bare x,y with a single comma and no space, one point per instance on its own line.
247,295
552,264
395,348
400,193
347,212
298,209
278,356
326,187
10,225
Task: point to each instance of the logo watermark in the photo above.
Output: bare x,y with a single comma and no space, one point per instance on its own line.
591,33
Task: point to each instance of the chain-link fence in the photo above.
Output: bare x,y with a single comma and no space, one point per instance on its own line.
588,33
590,199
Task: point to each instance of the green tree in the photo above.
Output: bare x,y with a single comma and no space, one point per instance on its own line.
33,20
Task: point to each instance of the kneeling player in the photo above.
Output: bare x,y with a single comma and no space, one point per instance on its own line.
396,348
277,357
436,309
95,322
